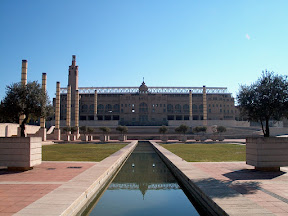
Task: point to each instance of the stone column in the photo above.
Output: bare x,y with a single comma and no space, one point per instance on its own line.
77,113
57,131
204,106
68,113
24,72
42,119
23,82
95,105
190,105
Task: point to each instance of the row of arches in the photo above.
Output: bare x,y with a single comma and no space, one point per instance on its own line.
143,108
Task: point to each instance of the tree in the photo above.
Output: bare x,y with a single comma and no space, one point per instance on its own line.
29,100
83,129
199,129
67,129
221,129
265,100
73,130
182,129
90,130
122,129
163,129
105,130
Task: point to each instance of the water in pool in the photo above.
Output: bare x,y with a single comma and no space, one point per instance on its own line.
144,186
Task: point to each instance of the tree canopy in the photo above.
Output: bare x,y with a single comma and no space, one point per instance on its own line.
265,100
163,129
182,129
122,129
29,100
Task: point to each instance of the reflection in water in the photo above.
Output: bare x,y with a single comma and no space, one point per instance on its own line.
144,186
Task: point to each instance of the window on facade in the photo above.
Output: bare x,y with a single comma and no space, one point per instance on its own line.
178,117
116,108
91,109
100,108
186,108
84,108
194,108
177,108
143,108
108,108
107,117
170,108
170,117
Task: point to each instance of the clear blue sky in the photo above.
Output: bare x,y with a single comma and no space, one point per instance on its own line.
219,43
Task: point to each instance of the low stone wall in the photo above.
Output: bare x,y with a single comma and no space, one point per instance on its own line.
11,129
20,152
8,129
267,152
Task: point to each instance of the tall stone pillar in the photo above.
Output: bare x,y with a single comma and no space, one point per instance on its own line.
77,113
23,82
42,119
73,82
57,131
24,72
190,105
68,113
95,105
204,106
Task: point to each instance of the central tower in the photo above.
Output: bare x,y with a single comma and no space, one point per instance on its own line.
73,82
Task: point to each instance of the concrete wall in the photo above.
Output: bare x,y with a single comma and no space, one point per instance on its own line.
11,129
8,129
24,152
267,151
226,123
84,123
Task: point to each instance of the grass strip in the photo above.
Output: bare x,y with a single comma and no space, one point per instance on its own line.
79,152
208,152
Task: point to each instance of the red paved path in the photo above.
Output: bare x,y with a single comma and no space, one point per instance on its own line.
18,190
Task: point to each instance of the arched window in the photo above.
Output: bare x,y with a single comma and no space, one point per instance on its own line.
91,108
194,108
186,108
116,108
84,108
143,108
177,108
100,108
108,108
170,108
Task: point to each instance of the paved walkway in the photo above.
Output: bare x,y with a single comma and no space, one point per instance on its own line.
20,189
266,193
269,190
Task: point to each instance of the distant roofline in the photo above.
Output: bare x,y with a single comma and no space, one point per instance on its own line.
151,90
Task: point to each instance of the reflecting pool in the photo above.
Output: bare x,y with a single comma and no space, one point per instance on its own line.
144,186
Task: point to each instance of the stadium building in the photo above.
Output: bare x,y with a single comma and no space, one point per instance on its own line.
143,105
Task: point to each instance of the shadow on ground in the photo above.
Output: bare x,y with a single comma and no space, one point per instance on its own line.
223,189
251,174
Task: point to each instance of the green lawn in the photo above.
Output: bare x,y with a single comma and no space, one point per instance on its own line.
208,152
79,152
